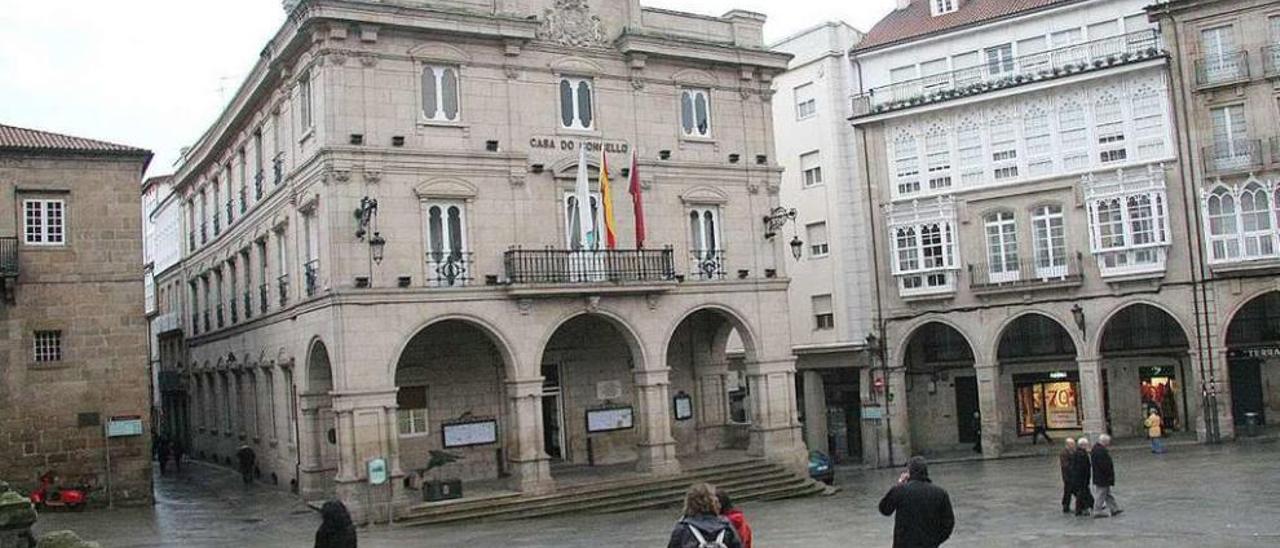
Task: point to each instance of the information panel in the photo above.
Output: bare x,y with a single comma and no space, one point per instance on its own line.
466,434
119,427
610,419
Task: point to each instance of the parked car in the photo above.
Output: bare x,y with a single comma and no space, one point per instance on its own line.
820,467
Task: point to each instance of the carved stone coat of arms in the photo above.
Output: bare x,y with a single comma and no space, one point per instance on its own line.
571,23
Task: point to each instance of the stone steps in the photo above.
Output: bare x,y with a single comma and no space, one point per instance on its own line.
745,480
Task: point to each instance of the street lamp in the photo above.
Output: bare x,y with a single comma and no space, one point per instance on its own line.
364,215
797,247
1078,314
775,220
377,245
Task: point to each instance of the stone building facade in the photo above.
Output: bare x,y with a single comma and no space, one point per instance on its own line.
831,294
1028,223
74,336
382,261
1225,59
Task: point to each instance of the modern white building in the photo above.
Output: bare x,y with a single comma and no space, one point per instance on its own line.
1029,226
832,296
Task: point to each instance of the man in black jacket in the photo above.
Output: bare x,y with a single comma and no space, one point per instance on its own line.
1080,473
1104,478
924,518
1065,460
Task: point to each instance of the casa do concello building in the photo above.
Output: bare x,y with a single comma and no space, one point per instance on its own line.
382,255
1029,232
1225,65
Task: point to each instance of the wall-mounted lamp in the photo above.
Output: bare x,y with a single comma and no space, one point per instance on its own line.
797,247
1077,312
364,215
776,219
377,246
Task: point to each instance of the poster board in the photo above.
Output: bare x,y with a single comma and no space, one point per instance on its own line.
470,433
683,406
124,426
610,419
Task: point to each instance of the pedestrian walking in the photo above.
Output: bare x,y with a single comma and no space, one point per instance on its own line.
922,512
1104,478
163,451
1041,427
977,432
336,529
247,458
702,525
735,517
1155,430
1065,459
1081,472
178,452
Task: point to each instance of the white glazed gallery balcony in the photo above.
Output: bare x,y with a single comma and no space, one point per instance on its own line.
993,76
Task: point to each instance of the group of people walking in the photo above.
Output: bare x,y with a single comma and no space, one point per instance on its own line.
710,521
1084,463
166,449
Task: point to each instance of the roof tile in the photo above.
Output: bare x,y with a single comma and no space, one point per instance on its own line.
16,138
917,22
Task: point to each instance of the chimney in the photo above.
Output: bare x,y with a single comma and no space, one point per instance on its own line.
903,4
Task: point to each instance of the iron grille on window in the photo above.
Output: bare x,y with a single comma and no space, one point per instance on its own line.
219,315
277,168
707,265
283,284
48,346
248,304
217,226
235,312
262,298
195,324
257,185
9,256
244,200
312,272
448,269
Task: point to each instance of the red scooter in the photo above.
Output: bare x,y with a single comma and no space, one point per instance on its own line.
52,495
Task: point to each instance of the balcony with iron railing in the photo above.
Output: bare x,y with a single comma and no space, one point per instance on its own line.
234,309
1237,156
449,269
1027,275
1222,69
1036,67
282,284
706,264
311,270
257,184
277,169
1271,61
217,224
9,256
262,298
622,269
218,315
248,304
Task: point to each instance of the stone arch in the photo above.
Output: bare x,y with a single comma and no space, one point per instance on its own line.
939,390
1224,327
1096,347
446,187
898,352
624,328
999,332
694,77
319,374
494,334
438,52
735,318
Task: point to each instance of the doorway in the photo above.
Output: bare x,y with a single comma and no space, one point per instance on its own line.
1246,390
844,415
967,419
552,413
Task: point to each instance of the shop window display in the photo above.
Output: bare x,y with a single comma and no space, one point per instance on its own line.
1056,393
1159,389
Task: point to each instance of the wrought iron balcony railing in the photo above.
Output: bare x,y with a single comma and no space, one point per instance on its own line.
248,304
706,265
191,240
244,200
234,309
1046,65
1226,68
257,184
563,266
1232,157
449,269
282,283
1027,273
219,315
1271,61
9,256
230,209
217,225
262,298
312,271
277,169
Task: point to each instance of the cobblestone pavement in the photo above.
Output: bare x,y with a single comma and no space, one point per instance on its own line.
1192,496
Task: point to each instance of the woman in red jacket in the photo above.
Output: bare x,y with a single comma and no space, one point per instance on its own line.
735,517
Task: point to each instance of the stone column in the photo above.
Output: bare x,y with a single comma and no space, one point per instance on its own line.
897,448
313,479
1091,397
989,406
529,464
1219,392
775,427
815,411
711,406
656,448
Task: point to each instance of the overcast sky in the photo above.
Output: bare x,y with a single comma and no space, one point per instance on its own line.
156,73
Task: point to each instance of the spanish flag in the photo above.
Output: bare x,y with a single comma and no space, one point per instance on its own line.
606,196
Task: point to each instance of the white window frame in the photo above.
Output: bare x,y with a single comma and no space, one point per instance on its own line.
40,230
943,7
47,346
1233,133
823,320
436,112
1049,235
414,416
306,114
452,246
937,154
1001,231
817,249
576,102
1136,244
694,131
906,164
811,176
806,103
1228,236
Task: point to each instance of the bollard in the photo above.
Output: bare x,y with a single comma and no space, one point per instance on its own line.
16,518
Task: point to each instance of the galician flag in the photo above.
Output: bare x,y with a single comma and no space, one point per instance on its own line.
637,199
583,192
606,196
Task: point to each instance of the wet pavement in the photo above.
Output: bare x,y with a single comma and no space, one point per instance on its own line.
1193,496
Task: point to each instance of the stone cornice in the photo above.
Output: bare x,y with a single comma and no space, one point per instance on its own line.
677,48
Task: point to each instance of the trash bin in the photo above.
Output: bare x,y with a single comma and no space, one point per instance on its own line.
1251,425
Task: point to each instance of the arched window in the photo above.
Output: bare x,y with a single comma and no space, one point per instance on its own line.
1255,219
1223,230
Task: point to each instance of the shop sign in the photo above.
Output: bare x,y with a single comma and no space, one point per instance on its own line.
872,413
572,145
1261,352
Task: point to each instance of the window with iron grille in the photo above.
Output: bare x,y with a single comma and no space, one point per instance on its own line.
48,346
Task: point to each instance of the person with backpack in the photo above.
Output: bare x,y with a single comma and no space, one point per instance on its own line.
336,529
735,517
702,525
924,518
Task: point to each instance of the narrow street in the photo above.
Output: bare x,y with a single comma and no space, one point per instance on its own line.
1192,496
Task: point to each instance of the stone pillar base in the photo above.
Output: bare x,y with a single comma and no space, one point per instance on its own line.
782,446
532,477
657,459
